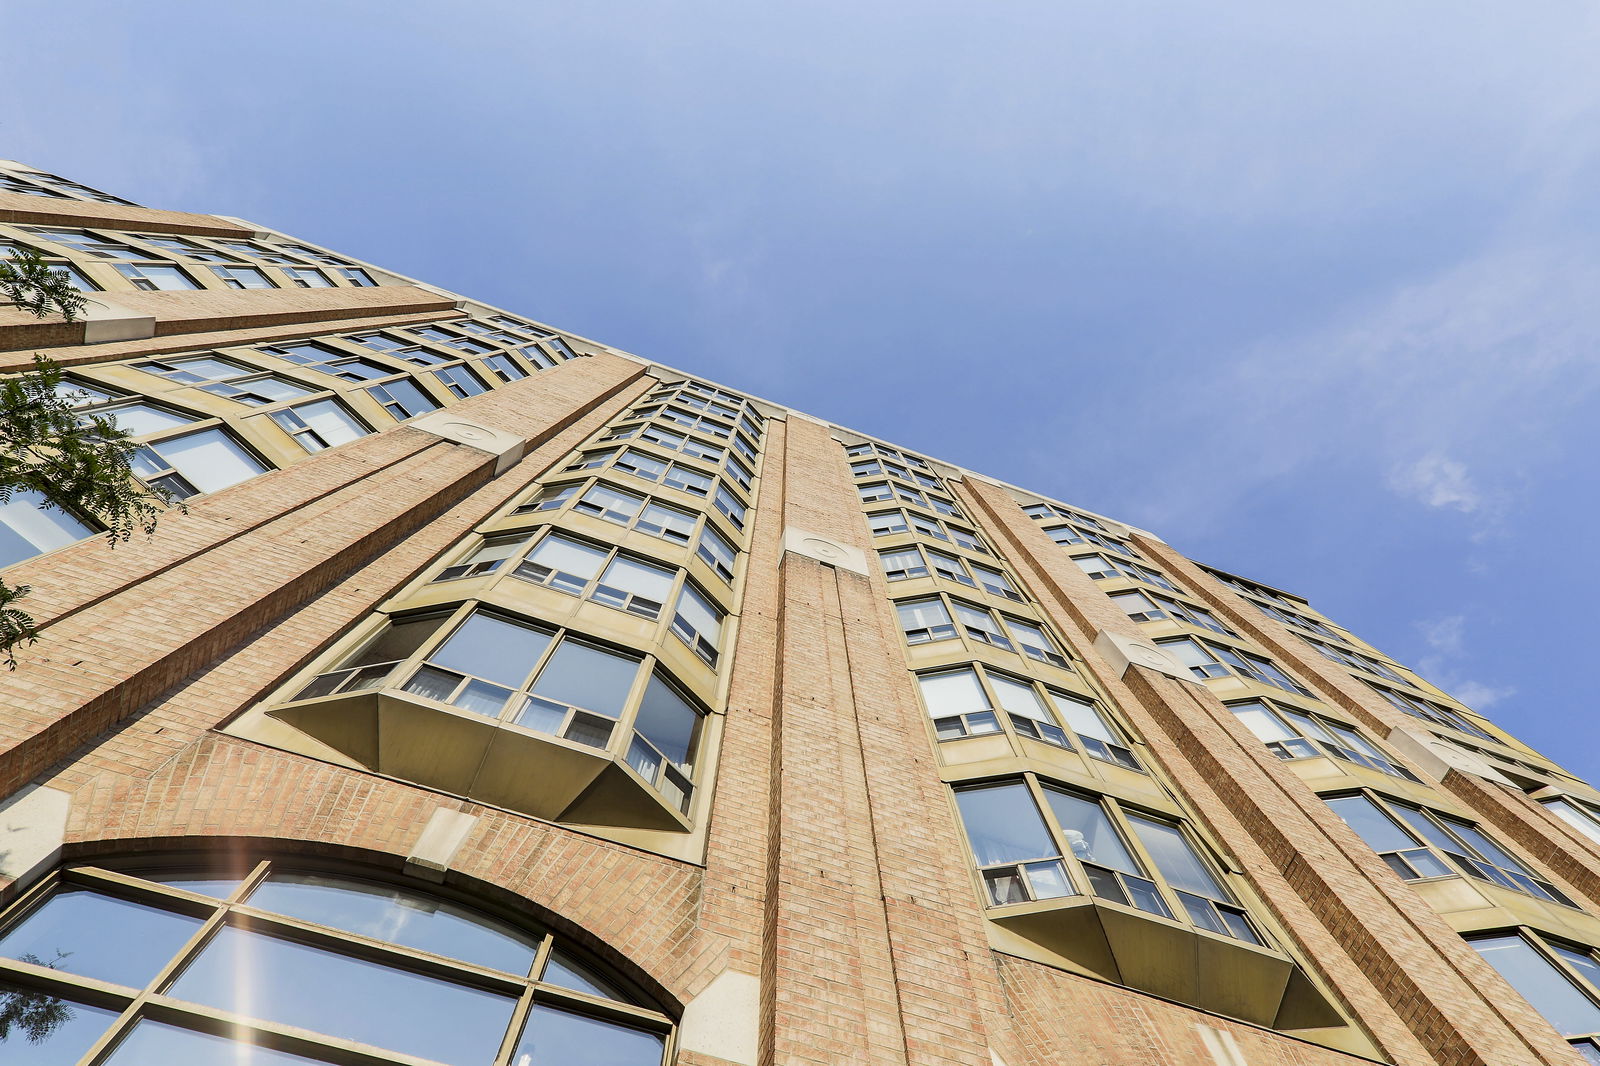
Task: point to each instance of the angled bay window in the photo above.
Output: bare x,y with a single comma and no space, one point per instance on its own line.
1298,621
321,424
1045,512
486,558
1354,660
1103,568
1065,535
1560,980
513,680
462,381
504,367
1032,641
187,465
307,277
302,966
1419,844
901,564
995,581
977,700
1581,816
716,552
1028,851
698,623
1429,712
599,573
248,385
885,523
730,505
1292,734
243,277
924,621
402,399
30,524
1153,607
1207,660
980,625
626,509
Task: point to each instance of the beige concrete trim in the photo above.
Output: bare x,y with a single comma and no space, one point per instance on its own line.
105,321
723,1021
994,1057
1122,652
441,838
1437,757
12,164
33,825
505,447
814,546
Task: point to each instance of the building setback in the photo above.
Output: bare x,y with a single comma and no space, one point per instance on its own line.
504,699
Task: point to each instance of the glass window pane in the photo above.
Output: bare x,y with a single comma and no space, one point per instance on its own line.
639,579
1421,824
700,613
1004,825
567,972
1569,812
138,419
211,460
667,721
957,692
46,1030
389,913
493,648
151,1042
1089,833
29,525
1541,984
331,421
569,557
922,614
297,984
1372,824
560,1038
583,676
83,932
1265,725
1019,698
1176,859
1084,719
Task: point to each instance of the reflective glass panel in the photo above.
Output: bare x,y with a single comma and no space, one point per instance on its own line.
1176,859
957,692
46,1030
568,973
1541,984
1371,824
82,932
385,912
493,648
154,1044
29,525
210,459
1089,833
1004,825
583,676
560,1038
300,985
667,721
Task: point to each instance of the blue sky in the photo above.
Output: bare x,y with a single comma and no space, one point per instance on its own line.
1310,291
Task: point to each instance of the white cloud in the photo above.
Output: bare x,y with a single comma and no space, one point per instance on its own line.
1445,634
1479,696
1438,481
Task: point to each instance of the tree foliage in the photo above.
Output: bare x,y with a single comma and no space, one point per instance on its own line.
34,1015
76,462
29,282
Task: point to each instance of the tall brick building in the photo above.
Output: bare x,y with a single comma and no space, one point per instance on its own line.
505,698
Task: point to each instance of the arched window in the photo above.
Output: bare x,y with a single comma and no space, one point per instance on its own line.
287,966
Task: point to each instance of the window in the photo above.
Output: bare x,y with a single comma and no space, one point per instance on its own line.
884,523
1035,643
949,567
623,508
485,558
1561,981
730,505
715,551
980,625
1299,621
307,277
996,581
1126,857
1353,660
357,277
603,575
402,399
156,276
136,418
1097,736
461,381
899,564
1428,711
1065,535
504,367
698,623
389,968
1152,607
1575,813
243,277
1045,512
666,731
196,462
1419,844
925,621
1292,734
320,425
972,700
958,704
31,524
1249,588
230,380
1206,660
1101,568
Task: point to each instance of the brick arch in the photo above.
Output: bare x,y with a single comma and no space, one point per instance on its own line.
633,909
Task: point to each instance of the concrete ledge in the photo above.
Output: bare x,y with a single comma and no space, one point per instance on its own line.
505,447
33,824
1122,652
723,1021
436,847
823,550
105,321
